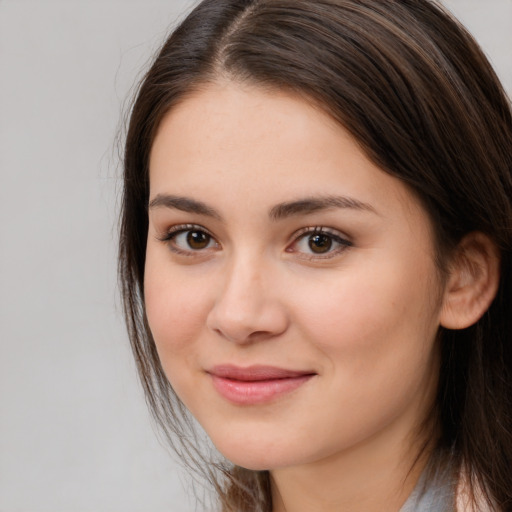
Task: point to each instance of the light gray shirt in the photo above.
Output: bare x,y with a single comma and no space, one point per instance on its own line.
435,495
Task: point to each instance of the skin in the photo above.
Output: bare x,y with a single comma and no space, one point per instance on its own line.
362,317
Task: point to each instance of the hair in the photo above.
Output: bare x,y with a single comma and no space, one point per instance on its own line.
415,91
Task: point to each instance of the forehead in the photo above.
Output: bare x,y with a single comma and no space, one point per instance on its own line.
227,116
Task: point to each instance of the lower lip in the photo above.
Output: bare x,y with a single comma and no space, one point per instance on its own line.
256,392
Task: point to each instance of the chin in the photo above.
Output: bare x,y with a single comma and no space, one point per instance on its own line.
259,456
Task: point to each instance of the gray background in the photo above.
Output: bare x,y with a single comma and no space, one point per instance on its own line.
75,435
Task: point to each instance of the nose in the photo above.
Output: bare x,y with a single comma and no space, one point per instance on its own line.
247,307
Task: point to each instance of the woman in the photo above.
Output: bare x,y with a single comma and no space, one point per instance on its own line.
315,255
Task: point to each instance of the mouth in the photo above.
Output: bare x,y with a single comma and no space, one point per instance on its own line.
256,384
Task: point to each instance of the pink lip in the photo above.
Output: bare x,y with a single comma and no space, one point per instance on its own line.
256,384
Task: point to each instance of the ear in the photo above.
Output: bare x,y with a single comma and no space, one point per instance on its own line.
473,281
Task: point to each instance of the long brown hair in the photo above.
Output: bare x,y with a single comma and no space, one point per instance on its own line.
416,92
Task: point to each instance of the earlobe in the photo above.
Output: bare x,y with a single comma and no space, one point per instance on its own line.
473,281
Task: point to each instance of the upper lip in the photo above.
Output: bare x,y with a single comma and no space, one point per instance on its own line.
255,372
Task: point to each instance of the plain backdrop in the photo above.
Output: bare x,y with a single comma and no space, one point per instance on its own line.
75,435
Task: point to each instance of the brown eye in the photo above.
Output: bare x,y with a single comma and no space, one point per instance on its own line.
189,239
320,243
198,240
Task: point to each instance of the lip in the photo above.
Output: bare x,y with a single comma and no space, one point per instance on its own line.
256,384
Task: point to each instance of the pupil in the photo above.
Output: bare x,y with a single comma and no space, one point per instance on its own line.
197,239
320,243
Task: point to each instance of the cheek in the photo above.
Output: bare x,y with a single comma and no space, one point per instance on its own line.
176,313
370,318
176,308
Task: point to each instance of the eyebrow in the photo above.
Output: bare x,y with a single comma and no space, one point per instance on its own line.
313,204
185,204
280,211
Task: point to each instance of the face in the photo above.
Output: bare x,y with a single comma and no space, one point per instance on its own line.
290,284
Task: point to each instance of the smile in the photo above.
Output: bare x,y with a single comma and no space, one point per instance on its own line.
256,384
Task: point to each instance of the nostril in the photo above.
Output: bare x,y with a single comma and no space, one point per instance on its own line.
248,328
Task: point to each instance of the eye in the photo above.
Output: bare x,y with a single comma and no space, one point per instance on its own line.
189,239
319,242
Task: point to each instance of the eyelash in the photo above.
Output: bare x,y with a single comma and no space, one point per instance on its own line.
171,235
331,235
